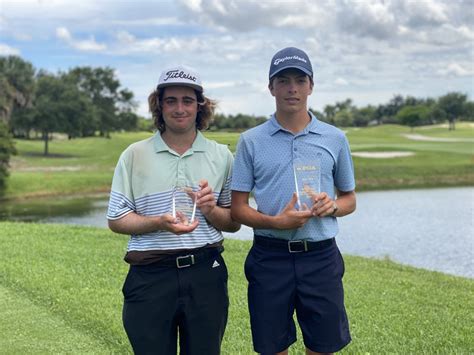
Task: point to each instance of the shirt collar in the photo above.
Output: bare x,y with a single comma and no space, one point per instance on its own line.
314,125
199,144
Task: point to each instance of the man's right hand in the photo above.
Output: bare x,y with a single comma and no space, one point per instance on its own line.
171,224
290,217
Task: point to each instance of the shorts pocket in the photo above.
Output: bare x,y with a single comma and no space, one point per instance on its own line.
248,265
343,265
133,285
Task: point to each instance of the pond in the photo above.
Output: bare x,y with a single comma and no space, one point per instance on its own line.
431,229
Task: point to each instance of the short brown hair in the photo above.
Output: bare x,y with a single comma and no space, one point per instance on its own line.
270,82
203,118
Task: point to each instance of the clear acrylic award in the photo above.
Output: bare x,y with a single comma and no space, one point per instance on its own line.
184,204
307,174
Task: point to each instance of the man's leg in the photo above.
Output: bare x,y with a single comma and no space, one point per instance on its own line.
271,292
150,304
204,305
320,300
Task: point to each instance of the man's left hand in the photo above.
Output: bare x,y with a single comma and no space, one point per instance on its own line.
323,205
206,200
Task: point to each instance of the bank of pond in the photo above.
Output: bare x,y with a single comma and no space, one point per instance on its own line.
426,228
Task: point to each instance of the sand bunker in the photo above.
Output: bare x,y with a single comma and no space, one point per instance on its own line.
382,155
419,137
49,168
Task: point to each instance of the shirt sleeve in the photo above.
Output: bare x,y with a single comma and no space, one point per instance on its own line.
225,194
121,200
344,175
242,171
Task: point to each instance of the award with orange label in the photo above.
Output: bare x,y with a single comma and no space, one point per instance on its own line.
307,174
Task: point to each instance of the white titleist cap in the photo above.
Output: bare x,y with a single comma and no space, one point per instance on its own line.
180,76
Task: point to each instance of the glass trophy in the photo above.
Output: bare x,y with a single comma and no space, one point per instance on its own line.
307,175
184,204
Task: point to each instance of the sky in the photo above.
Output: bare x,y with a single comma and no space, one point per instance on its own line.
366,50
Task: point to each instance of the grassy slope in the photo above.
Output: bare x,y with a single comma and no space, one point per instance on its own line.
434,163
61,292
86,165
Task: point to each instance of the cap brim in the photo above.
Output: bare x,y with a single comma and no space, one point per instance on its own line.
194,86
304,70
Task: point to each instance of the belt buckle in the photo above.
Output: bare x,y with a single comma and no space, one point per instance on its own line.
295,243
185,257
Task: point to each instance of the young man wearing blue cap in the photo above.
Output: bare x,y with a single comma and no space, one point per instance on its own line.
177,281
294,263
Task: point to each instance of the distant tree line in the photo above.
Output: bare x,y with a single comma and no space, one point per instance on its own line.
235,122
409,111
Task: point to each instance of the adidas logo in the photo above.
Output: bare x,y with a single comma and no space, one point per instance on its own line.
216,264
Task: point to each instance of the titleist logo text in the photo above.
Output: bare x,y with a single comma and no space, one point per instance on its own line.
179,74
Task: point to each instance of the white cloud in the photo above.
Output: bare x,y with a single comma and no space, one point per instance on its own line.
5,49
125,37
370,18
156,21
457,69
63,33
249,15
341,81
88,45
422,13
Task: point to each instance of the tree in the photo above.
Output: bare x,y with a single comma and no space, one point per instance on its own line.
329,113
59,107
343,118
362,117
6,150
454,105
386,113
469,111
102,87
16,85
413,115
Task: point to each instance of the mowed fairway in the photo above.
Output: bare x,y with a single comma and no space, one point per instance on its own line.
86,165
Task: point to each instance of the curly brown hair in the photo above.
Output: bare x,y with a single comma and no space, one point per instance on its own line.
203,118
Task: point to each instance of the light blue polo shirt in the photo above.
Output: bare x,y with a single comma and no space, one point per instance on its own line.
144,179
264,164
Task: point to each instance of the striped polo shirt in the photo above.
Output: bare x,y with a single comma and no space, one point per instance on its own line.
146,175
265,160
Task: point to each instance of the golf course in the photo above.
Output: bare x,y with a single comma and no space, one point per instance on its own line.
60,285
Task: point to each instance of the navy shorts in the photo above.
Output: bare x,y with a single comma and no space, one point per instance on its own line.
308,282
162,301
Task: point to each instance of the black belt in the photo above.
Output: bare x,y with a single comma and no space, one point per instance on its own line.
292,246
186,258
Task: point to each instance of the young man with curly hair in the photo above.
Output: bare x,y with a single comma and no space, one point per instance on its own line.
177,281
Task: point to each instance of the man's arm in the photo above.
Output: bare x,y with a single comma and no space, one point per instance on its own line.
133,223
218,216
289,218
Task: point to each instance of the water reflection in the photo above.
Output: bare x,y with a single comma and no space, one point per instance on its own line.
70,210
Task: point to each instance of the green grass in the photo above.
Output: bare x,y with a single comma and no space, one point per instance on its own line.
60,292
86,165
30,328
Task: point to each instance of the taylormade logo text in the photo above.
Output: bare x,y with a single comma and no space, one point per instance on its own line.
172,74
284,59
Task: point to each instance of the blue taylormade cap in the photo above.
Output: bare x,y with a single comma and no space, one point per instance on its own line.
290,57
